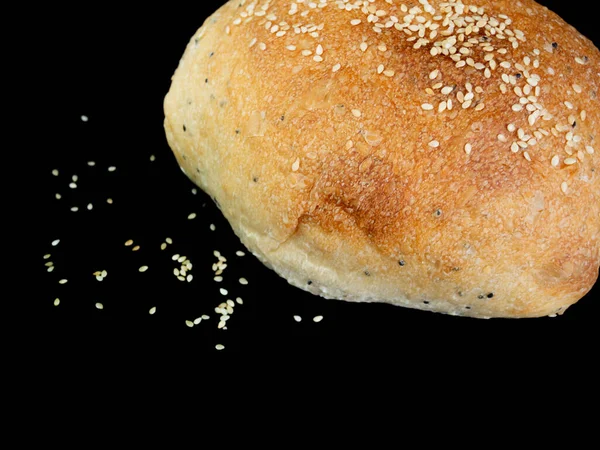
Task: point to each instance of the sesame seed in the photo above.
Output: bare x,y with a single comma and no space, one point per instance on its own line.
434,144
564,187
364,46
555,161
223,291
296,165
527,157
427,106
570,161
240,253
433,75
212,227
84,118
220,347
90,207
57,196
99,306
355,22
74,209
317,319
589,149
192,216
218,279
73,185
243,281
577,88
447,90
389,73
109,201
143,269
514,147
91,163
239,301
569,105
189,323
298,319
517,107
129,243
63,281
189,278
163,246
112,168
356,113
336,68
468,149
502,138
56,301
197,321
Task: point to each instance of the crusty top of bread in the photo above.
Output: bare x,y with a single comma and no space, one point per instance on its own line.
435,155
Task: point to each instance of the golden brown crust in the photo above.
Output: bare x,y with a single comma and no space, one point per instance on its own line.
344,176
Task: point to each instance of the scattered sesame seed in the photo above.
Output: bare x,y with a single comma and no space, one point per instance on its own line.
317,319
555,161
218,279
56,301
223,291
136,248
243,281
189,278
99,306
90,207
298,319
468,149
589,149
212,227
336,67
73,185
152,158
434,144
55,242
129,243
219,347
570,161
240,253
239,301
192,216
112,168
63,281
163,246
427,106
109,201
356,113
564,187
143,269
84,118
57,196
189,323
433,75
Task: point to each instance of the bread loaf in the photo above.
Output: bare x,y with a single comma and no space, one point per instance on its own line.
436,155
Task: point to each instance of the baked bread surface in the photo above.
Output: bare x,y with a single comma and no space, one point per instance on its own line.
434,155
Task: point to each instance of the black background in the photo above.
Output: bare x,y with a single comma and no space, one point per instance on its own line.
114,65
